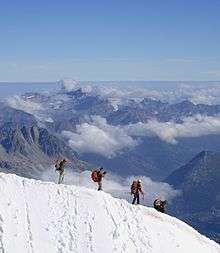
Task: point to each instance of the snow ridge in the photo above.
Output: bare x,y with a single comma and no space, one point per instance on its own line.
38,217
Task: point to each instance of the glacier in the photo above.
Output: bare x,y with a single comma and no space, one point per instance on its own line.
42,217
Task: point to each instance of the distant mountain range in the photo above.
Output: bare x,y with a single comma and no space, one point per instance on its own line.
199,203
163,112
65,105
152,157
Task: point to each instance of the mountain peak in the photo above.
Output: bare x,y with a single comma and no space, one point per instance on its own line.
203,166
204,153
198,181
186,102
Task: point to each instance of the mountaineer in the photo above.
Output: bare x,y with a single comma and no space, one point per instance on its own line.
136,190
159,205
59,165
97,176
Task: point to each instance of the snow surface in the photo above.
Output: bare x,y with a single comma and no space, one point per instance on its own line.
41,217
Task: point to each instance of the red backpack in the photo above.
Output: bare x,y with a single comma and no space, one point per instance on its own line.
94,175
134,186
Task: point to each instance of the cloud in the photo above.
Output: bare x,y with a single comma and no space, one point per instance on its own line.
29,106
69,84
99,137
116,185
121,92
196,92
170,131
25,105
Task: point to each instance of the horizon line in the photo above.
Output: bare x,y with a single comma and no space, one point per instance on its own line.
53,81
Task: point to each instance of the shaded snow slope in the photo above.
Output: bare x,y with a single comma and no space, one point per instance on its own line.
39,217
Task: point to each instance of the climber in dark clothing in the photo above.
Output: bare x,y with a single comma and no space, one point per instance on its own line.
59,165
100,174
159,205
136,190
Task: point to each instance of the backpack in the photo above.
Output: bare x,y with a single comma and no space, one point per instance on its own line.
134,187
94,175
57,165
157,202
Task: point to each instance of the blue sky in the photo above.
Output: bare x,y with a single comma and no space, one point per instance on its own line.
109,40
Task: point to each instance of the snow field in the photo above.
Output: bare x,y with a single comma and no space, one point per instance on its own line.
41,217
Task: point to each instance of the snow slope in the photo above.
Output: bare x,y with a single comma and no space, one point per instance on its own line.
41,217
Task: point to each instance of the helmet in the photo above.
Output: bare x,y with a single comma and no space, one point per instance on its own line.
139,181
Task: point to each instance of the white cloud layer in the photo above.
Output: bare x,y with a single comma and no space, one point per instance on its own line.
69,84
170,131
29,106
206,93
25,105
99,137
107,140
116,185
197,94
72,85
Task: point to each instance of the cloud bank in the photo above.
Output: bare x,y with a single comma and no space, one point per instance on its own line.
170,131
29,106
204,93
69,85
25,105
101,138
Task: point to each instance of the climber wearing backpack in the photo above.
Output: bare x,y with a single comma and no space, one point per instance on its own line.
136,190
59,165
159,205
97,176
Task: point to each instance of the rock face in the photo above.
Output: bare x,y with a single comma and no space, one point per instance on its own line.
163,112
25,148
199,203
41,217
11,115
